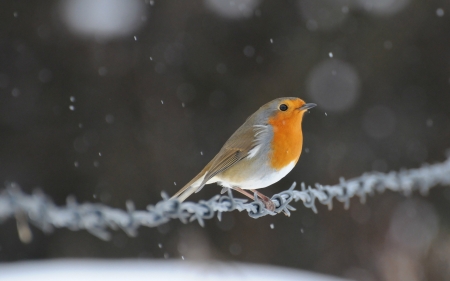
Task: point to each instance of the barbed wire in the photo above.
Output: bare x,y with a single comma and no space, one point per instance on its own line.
97,218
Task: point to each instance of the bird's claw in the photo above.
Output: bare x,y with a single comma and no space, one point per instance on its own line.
269,205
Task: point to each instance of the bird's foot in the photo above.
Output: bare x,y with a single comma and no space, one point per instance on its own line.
269,205
266,200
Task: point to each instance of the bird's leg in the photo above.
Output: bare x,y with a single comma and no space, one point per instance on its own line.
240,190
266,200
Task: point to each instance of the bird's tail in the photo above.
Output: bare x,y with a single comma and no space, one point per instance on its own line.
193,186
186,193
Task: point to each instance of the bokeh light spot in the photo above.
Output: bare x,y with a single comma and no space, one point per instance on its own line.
333,85
103,19
233,9
382,7
324,15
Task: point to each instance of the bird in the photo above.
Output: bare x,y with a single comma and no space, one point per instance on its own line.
261,152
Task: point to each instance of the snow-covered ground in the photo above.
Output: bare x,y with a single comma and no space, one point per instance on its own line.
136,270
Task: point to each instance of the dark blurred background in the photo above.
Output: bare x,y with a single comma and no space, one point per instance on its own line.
110,100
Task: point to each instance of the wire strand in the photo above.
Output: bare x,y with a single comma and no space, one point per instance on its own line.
97,218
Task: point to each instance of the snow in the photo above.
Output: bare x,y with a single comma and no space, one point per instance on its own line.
137,270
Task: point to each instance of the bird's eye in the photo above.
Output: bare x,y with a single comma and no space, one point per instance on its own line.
283,107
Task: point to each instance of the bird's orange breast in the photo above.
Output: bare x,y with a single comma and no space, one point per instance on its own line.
287,140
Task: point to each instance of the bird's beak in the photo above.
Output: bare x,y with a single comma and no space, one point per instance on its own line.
307,106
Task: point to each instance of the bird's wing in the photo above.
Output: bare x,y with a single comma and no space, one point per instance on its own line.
227,159
235,149
220,163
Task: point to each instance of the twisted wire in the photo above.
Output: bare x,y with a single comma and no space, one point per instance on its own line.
38,209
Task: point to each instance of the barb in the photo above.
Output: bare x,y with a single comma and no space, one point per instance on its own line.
39,209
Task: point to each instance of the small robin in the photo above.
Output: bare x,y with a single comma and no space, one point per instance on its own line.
260,153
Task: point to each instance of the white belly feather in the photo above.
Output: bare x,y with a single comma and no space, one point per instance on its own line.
257,181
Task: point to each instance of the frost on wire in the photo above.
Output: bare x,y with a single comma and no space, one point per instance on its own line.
96,218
